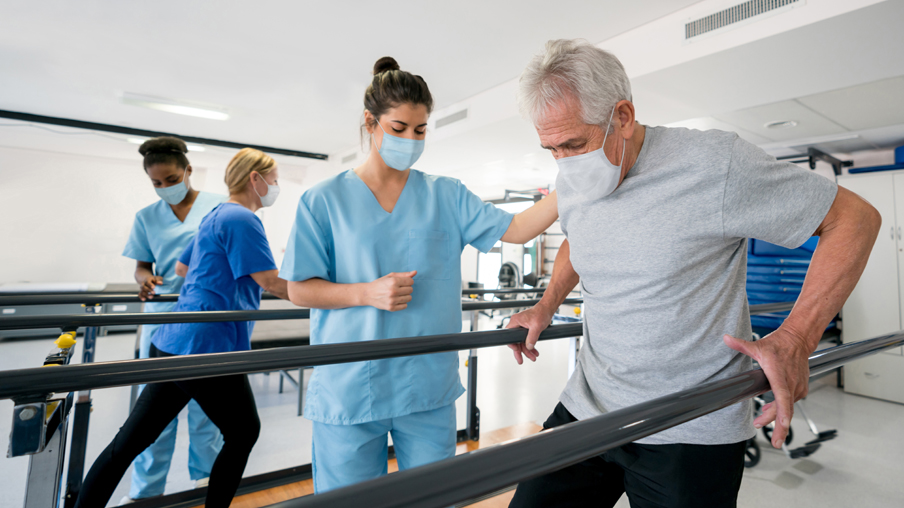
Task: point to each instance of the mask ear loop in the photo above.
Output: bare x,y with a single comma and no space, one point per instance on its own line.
373,141
184,176
624,143
255,188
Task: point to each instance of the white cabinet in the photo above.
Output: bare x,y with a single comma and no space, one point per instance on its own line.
876,306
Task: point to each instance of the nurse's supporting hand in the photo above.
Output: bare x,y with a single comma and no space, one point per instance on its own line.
147,288
535,319
390,292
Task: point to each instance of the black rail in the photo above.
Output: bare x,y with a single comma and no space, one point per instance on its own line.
118,129
475,474
75,321
24,383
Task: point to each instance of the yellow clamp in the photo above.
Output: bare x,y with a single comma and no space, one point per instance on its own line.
577,311
66,340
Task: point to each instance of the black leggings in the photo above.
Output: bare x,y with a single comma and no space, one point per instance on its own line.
227,401
653,476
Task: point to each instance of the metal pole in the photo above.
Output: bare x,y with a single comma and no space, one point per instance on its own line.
81,421
21,384
473,412
42,488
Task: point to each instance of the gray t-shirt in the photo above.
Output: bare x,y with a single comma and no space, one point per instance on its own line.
663,264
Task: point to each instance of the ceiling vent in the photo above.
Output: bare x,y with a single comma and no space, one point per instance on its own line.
454,117
350,157
733,15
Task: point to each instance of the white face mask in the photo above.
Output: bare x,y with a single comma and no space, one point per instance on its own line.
270,197
591,174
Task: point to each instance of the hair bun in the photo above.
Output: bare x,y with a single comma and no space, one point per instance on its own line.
387,63
163,144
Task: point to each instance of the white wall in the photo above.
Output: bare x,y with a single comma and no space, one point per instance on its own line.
66,217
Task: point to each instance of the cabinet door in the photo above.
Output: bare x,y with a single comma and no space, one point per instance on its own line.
899,234
873,308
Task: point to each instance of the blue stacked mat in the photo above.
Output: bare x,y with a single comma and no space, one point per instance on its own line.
775,274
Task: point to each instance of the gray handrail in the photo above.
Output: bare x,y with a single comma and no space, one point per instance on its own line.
37,382
75,321
484,471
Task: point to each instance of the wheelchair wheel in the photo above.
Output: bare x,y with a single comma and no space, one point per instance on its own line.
752,453
767,432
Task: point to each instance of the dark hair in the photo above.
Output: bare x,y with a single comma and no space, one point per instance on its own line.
164,150
392,87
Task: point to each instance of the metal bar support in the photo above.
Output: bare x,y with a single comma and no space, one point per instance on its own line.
45,469
81,420
473,412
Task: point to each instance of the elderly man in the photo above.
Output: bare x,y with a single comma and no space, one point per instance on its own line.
657,221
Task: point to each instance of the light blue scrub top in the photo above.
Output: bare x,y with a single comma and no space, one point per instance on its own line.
342,234
159,237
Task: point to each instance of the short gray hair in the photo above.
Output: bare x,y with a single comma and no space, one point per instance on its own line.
577,68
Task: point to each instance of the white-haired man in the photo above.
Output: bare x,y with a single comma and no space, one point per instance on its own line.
657,221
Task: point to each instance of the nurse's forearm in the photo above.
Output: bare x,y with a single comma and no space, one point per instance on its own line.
269,280
323,294
528,224
142,272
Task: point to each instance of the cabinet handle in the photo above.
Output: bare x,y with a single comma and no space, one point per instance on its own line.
892,232
870,375
899,232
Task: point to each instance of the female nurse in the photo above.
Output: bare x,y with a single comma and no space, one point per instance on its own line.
160,233
375,251
229,264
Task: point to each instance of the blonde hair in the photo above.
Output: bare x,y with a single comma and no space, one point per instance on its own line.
239,170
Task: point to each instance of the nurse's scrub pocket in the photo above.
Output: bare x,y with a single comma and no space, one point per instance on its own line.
429,253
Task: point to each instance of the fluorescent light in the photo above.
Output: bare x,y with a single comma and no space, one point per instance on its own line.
781,124
177,107
191,148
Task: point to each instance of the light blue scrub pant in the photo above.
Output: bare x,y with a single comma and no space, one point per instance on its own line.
205,441
347,454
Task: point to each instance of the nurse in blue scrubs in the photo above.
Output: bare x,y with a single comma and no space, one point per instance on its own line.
160,233
375,252
229,263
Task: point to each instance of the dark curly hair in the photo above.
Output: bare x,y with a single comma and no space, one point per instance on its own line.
164,150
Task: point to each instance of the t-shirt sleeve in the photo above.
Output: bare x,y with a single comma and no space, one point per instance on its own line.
482,224
308,251
138,247
771,200
246,245
185,258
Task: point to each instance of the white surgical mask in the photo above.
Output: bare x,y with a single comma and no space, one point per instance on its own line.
270,197
591,174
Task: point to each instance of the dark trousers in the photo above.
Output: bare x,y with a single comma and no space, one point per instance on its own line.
227,401
673,475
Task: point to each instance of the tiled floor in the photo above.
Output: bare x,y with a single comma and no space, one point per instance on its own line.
863,467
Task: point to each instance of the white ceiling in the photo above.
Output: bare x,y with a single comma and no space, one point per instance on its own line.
292,74
295,76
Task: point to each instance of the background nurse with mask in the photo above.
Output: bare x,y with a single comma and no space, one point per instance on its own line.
159,235
376,253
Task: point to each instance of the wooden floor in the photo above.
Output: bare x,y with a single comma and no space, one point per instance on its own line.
304,488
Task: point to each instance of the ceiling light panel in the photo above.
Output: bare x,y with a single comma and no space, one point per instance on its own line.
875,104
177,107
809,123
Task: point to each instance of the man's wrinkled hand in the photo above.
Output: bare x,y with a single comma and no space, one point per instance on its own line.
783,356
535,319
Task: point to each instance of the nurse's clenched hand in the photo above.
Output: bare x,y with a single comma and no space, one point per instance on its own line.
391,292
147,287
